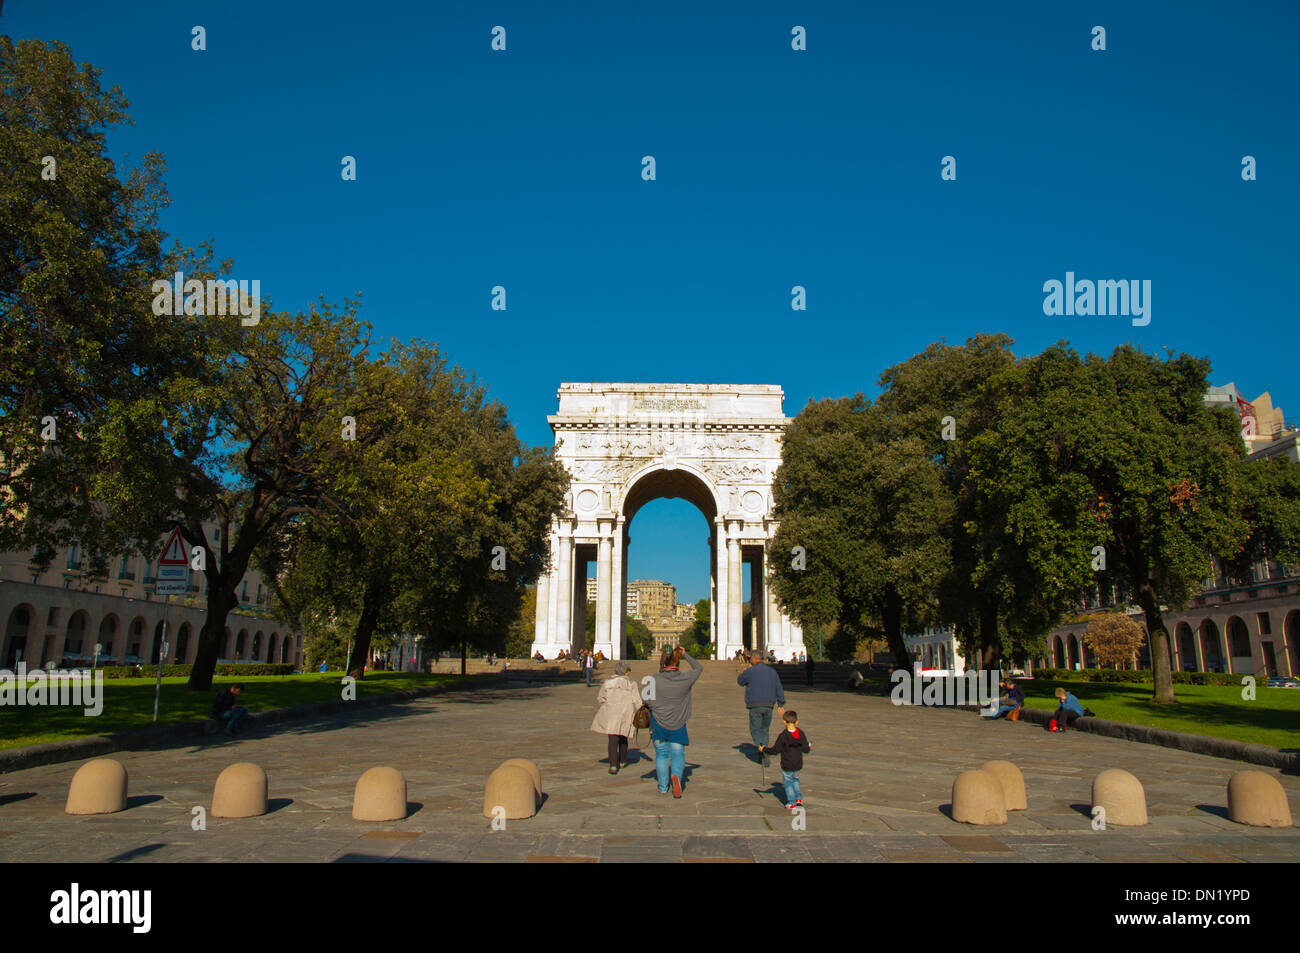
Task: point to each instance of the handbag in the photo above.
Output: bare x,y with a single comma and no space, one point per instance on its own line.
642,717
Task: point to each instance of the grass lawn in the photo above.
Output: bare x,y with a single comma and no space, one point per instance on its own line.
1273,718
128,702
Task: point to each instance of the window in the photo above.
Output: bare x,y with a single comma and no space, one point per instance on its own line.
1265,626
74,562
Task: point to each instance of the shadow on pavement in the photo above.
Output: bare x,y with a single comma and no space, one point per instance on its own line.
134,853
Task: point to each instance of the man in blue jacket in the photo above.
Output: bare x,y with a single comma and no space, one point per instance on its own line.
762,691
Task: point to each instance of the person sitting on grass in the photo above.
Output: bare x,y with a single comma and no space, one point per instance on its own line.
225,709
1069,710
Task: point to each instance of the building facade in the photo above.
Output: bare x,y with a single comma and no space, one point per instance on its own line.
56,617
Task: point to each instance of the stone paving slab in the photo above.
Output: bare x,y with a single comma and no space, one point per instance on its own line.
877,787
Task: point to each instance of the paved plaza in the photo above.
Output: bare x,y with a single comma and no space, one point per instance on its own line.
876,787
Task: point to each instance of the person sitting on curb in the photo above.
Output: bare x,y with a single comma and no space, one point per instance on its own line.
1013,699
225,709
1069,710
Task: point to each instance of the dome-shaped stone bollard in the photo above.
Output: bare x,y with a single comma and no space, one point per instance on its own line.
1012,781
531,768
1257,799
510,788
98,787
1122,797
240,792
380,796
977,798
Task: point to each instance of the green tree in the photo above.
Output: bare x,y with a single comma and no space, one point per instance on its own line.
86,361
519,636
275,431
939,400
1163,476
861,508
383,499
1029,526
1270,506
639,638
699,636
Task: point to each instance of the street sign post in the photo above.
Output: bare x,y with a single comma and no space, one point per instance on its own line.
173,567
173,570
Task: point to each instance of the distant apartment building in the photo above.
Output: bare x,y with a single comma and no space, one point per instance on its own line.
1262,424
56,617
656,599
633,602
685,612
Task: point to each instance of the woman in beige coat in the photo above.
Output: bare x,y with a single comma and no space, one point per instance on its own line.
617,705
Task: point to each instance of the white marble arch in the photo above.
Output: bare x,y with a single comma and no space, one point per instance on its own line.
624,444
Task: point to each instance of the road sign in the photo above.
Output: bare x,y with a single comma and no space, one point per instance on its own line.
173,567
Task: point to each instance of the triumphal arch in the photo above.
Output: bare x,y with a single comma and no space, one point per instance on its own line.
716,445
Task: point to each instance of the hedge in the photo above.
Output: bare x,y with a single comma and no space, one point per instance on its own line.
183,671
1133,675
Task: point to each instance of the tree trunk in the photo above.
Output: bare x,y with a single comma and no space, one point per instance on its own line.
223,595
891,615
371,603
221,600
990,644
1164,681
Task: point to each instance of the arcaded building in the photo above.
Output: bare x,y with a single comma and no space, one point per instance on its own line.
55,618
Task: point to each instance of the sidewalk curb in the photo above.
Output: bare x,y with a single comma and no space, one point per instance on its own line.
54,752
1197,744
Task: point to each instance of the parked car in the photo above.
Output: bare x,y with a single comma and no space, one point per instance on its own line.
1283,681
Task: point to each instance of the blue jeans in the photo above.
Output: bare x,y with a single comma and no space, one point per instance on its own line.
233,716
670,758
1002,711
588,671
792,791
760,724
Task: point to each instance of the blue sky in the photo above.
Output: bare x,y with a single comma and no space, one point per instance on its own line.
775,168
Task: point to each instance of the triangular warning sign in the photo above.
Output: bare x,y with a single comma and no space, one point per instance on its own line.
174,552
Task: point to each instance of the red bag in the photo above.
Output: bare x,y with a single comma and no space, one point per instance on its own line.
1051,725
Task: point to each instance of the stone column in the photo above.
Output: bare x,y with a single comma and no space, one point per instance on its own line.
541,636
563,630
617,596
758,605
713,595
722,590
735,596
604,588
775,633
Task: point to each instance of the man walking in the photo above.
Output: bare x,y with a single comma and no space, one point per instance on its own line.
762,691
588,665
